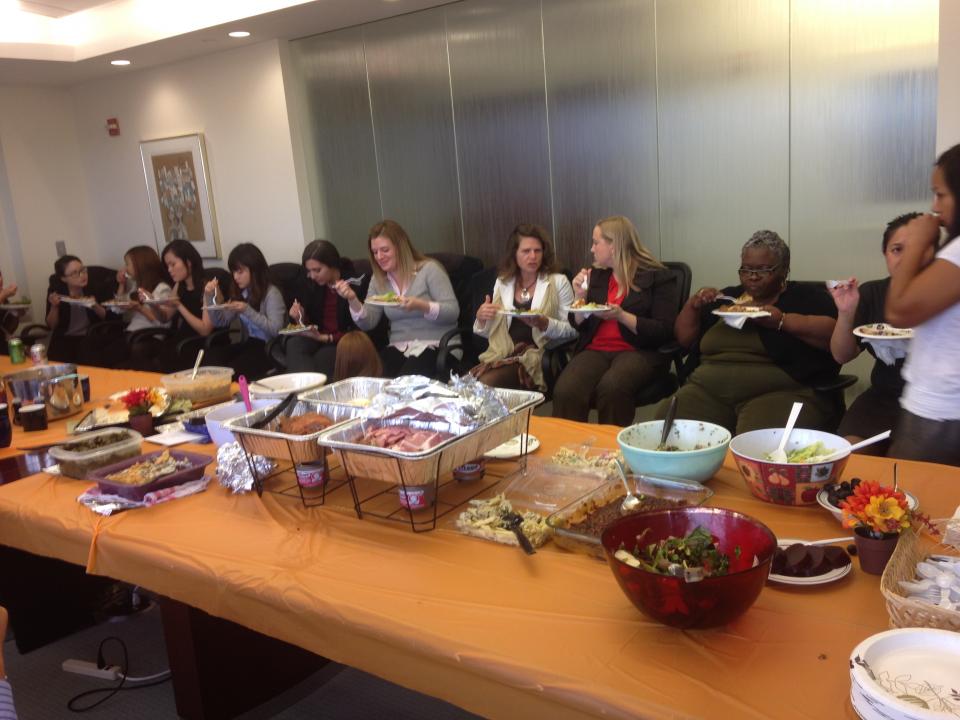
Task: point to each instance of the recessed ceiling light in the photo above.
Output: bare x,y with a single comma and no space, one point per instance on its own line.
119,62
239,34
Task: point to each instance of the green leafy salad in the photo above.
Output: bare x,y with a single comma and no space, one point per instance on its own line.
673,555
815,452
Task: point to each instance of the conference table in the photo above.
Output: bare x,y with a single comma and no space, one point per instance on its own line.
478,624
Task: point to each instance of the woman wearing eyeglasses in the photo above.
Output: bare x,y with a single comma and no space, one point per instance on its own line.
748,377
71,310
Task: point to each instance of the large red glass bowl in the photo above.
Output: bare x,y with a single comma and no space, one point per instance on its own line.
712,601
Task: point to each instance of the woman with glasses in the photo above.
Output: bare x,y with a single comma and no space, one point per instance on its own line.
747,378
71,310
926,296
616,352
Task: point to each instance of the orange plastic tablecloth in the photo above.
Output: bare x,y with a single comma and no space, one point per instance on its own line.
478,624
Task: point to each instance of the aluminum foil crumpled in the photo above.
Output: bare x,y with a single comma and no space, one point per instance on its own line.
460,406
233,470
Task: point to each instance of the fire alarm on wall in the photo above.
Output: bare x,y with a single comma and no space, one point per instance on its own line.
113,126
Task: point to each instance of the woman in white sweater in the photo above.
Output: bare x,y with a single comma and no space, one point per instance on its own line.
526,312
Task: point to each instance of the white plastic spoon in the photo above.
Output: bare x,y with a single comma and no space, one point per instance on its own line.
863,443
780,454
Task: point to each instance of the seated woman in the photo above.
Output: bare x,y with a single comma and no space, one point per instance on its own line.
319,304
69,318
527,282
183,307
356,357
257,303
748,378
142,270
926,296
616,352
877,407
414,293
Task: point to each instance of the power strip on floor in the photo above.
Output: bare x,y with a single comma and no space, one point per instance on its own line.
82,667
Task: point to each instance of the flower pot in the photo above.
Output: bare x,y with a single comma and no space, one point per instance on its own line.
143,424
874,553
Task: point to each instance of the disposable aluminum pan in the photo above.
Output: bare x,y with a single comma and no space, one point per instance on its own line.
420,468
344,400
272,443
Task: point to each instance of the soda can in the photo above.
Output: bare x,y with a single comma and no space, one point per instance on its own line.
15,348
38,354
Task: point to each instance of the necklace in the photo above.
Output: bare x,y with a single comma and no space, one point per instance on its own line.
525,292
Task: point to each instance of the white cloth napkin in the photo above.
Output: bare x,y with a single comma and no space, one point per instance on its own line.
889,351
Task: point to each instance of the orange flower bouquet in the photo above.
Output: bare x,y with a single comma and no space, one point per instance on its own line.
878,512
139,400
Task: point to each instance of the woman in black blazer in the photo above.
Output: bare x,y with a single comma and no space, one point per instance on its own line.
616,353
318,304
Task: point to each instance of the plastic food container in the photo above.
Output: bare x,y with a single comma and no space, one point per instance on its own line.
211,384
96,450
136,492
578,540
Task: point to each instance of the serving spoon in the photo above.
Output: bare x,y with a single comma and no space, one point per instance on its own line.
668,423
631,501
780,454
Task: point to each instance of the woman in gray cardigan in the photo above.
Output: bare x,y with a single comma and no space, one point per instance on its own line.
257,303
414,293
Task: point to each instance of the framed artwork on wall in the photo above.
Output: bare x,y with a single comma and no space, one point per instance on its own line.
178,188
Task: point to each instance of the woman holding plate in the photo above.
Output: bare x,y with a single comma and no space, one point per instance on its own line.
876,408
71,310
414,293
526,311
616,352
770,350
926,296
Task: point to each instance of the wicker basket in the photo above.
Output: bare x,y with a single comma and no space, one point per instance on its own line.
906,612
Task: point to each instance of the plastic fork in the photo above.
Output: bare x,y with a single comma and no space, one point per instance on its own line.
356,280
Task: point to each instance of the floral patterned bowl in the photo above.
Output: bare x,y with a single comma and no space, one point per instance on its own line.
787,483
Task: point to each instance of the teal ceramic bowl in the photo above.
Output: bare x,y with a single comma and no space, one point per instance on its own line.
696,449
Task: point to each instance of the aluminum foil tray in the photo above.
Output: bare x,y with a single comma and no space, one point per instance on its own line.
344,400
420,468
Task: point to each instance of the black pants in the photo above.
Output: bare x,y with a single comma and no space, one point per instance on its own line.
608,381
917,438
395,363
306,355
248,358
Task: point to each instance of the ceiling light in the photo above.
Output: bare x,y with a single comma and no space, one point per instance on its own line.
119,62
239,34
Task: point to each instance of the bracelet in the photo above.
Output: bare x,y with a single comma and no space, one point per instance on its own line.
780,324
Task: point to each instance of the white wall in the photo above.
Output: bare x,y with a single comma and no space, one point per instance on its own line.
236,99
948,76
44,187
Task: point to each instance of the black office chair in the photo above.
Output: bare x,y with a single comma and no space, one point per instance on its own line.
460,348
450,356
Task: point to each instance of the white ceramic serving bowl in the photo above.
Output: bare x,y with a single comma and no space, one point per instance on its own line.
279,386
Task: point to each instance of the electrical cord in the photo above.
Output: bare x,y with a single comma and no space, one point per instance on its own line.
141,682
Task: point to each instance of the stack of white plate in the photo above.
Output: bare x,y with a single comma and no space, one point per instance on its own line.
909,674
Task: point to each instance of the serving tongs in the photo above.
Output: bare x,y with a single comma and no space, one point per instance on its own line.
275,413
514,521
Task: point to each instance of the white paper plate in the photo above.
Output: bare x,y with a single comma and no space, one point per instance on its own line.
279,386
297,331
118,306
88,302
519,313
900,333
15,306
176,437
598,309
214,307
753,314
824,502
829,577
513,448
910,673
382,303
